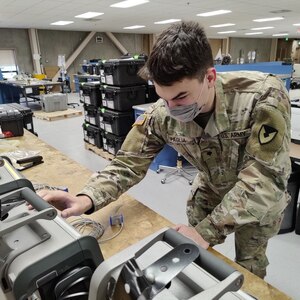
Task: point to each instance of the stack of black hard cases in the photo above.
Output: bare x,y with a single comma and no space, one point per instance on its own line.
92,103
123,88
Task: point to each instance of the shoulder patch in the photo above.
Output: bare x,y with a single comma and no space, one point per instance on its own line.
266,134
140,120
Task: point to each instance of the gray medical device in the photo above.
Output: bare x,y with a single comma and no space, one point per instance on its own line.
41,255
166,266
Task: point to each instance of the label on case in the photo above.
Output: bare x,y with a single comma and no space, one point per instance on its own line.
108,128
93,120
110,104
109,79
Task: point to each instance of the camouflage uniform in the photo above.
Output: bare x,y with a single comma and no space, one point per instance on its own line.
242,156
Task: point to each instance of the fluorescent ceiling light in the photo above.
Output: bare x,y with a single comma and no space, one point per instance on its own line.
224,32
61,23
222,25
262,28
214,13
280,34
253,33
268,19
89,15
296,24
129,3
168,21
134,27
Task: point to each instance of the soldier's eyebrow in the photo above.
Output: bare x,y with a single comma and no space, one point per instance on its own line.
179,95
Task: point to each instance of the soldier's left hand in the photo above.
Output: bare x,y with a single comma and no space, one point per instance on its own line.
192,234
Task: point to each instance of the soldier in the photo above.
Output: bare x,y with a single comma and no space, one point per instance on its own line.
233,127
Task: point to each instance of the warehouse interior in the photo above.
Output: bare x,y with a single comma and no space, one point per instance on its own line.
74,55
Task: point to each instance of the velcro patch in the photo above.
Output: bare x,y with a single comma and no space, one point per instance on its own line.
267,134
140,120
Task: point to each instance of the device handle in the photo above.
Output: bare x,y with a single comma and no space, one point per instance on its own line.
44,209
213,265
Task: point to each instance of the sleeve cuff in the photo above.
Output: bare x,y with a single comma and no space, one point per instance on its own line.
209,232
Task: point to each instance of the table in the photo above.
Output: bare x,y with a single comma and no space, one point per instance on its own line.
295,152
140,221
23,86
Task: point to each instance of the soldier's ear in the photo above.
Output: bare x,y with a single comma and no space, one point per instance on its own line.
211,76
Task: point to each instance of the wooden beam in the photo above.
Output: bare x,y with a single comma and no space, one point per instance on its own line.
74,55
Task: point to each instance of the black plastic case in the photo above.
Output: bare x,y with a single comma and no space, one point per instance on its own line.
92,93
11,122
118,123
123,98
92,135
111,142
123,72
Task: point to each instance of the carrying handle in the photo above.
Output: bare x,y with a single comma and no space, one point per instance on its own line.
213,265
44,209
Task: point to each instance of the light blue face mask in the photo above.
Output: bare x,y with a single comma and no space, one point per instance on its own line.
185,113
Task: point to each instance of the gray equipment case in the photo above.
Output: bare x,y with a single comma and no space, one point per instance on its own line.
54,102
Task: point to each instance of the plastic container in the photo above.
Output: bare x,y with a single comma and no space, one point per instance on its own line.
92,93
91,114
123,98
123,72
118,123
112,143
54,102
11,122
26,114
92,135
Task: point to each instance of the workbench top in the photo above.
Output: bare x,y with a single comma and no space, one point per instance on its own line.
139,220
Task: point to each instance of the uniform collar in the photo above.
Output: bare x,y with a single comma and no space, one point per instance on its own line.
218,121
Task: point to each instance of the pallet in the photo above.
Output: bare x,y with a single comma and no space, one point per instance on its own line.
57,115
99,151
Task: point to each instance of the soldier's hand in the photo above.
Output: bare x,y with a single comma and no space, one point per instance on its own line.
68,204
192,234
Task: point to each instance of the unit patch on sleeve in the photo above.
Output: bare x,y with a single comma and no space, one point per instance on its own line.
267,134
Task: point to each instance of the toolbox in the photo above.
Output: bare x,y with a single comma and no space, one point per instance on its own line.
123,72
91,92
118,123
111,142
54,102
92,135
11,122
26,113
91,114
123,98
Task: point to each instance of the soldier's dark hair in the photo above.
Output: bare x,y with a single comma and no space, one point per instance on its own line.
182,50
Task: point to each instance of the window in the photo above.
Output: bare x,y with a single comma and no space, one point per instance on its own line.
8,63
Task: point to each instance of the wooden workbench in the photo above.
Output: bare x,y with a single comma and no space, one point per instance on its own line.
295,152
140,221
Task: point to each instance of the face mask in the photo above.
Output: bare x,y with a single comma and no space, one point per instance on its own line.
185,113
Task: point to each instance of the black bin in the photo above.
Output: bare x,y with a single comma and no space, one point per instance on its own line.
92,93
92,135
123,98
118,123
11,122
123,72
289,220
111,142
91,114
